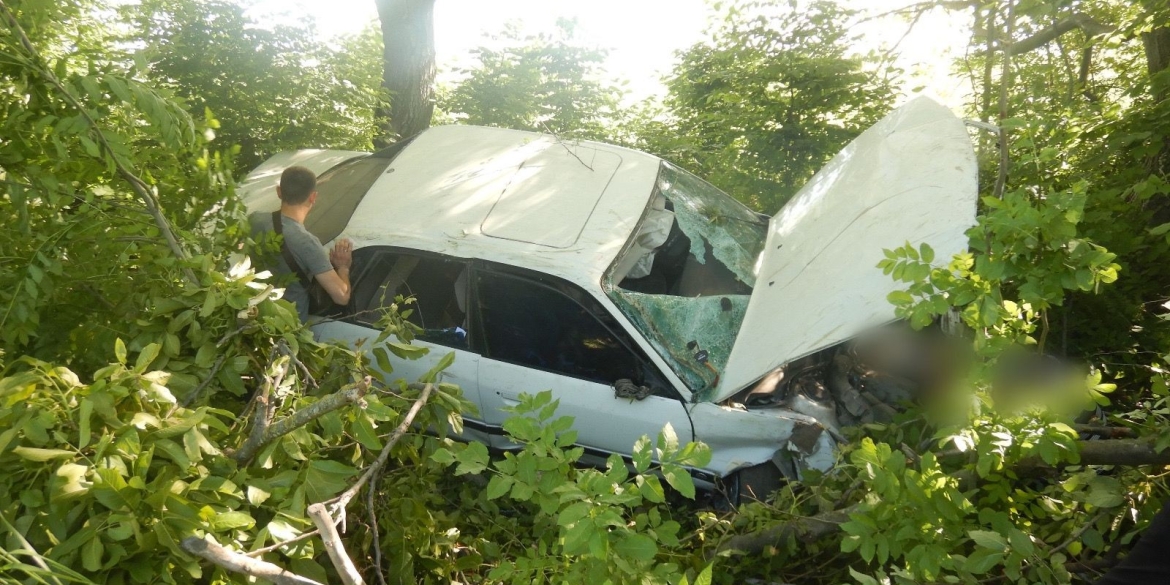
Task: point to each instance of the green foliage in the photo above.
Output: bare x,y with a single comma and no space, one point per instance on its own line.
768,99
108,475
580,525
544,83
273,87
82,258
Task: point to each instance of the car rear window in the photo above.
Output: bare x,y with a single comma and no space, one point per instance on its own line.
342,188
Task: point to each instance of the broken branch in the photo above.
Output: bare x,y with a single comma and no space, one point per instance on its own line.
333,545
342,500
239,563
263,551
804,529
264,432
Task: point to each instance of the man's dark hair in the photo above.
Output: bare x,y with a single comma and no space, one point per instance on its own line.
296,183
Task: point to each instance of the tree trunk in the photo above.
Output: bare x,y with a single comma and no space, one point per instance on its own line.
1157,46
408,63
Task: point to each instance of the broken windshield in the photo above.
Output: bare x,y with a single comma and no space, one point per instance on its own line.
685,277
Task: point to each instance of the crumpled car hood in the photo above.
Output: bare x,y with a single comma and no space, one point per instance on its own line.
909,178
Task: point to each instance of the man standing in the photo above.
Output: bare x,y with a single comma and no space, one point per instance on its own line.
301,252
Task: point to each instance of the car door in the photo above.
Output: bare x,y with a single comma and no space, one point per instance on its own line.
438,285
537,333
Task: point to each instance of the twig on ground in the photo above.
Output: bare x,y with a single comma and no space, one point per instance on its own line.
374,528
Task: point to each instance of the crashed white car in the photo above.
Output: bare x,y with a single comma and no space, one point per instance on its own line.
637,293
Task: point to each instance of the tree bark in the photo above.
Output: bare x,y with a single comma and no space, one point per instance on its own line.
1157,46
1078,20
236,562
408,63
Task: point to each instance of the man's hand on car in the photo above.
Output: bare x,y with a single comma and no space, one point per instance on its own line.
342,254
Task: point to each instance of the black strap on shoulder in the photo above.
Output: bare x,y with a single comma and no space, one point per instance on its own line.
278,227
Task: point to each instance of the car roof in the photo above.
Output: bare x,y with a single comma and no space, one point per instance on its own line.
532,200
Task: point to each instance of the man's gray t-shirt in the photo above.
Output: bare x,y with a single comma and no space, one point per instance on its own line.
306,249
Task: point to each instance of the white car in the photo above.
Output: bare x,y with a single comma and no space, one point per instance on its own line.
573,267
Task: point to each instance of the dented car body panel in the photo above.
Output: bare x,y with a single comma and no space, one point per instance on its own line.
583,268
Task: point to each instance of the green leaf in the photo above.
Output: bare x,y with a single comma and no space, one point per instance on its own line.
120,351
704,576
91,554
324,479
927,252
364,432
231,521
472,459
443,456
146,357
989,540
982,561
42,455
405,351
573,513
498,486
643,454
638,547
862,578
257,496
83,416
433,373
651,488
679,479
1105,492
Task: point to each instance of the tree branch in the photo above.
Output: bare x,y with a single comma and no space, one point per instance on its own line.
1128,452
1078,20
138,185
239,563
804,529
333,545
283,543
342,500
264,432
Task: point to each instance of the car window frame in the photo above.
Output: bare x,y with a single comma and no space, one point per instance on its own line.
575,293
375,252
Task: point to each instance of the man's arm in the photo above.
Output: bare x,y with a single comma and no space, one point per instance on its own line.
336,281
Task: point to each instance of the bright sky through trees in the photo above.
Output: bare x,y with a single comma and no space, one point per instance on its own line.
643,35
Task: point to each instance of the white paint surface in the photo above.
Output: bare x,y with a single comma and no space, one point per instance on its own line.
909,178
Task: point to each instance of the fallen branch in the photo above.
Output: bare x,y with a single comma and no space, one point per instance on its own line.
269,432
263,551
804,529
1129,452
261,417
341,501
239,563
333,545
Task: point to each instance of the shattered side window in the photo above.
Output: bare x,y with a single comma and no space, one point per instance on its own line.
685,276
